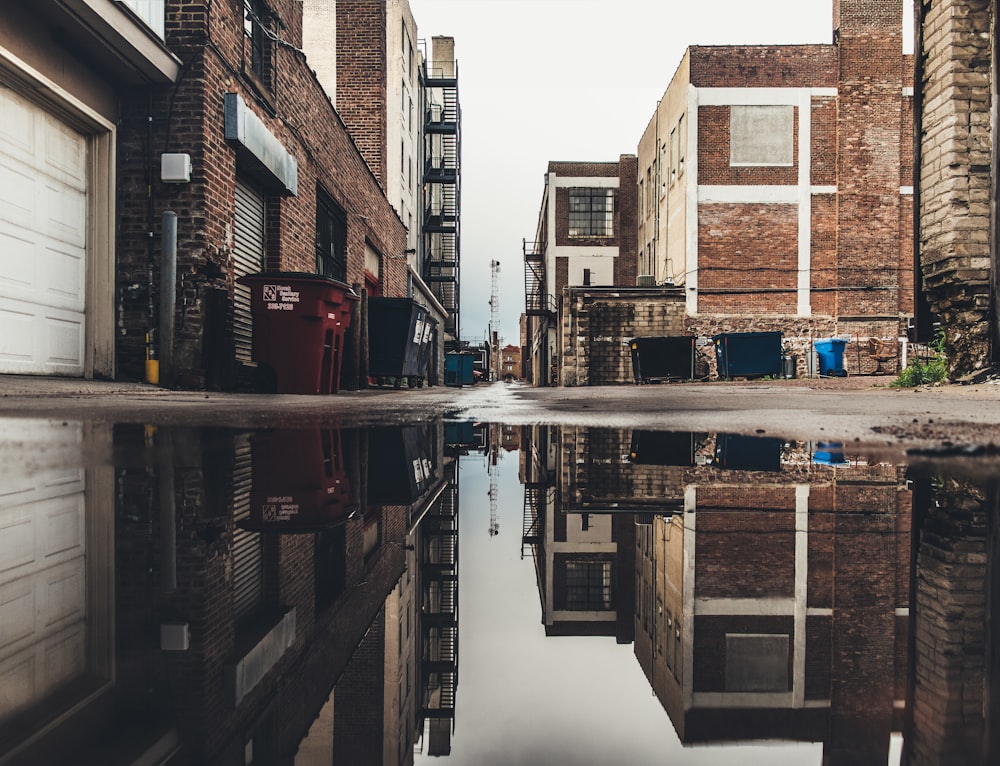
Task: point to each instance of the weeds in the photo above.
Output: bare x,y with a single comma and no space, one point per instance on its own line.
922,372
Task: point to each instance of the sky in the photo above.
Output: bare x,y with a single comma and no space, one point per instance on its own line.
569,80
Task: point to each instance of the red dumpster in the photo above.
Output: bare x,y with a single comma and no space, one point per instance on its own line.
299,324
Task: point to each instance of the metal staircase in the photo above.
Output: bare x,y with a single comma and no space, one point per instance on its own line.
441,180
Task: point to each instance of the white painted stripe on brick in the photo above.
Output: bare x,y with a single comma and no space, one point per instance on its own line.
751,194
823,190
906,190
691,205
769,607
566,182
760,96
801,580
818,611
907,90
575,251
803,305
902,611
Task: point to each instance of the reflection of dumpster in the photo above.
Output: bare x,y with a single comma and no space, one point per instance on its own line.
748,354
748,453
458,366
299,322
664,447
398,340
662,358
831,357
830,453
400,464
299,481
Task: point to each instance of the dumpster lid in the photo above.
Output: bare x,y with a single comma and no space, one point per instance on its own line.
304,276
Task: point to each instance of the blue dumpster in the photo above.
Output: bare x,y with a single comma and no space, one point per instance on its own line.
748,354
831,357
458,367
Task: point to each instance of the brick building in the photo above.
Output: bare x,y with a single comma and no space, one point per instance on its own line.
957,178
399,101
208,110
776,187
582,239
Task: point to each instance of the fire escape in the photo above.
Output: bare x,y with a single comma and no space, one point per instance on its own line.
539,490
439,618
540,311
442,187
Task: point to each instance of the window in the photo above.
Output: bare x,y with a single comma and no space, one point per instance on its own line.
588,585
591,212
586,283
673,155
681,144
331,237
257,52
761,135
756,663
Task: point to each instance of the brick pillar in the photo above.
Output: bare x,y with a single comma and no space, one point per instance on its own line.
361,78
955,176
869,125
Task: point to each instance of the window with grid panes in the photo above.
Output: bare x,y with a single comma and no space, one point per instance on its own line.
588,585
591,212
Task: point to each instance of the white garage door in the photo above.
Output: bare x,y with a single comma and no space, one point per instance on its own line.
43,237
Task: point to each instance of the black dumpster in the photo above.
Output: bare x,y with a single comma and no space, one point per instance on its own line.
398,337
662,358
299,322
748,354
401,465
667,448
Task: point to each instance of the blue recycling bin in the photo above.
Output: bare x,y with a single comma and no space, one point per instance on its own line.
831,357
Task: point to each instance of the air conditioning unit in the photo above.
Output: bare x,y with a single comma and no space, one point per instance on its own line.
645,280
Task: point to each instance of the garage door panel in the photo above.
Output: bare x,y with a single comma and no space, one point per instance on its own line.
17,263
65,153
66,220
17,126
63,272
51,343
18,607
17,194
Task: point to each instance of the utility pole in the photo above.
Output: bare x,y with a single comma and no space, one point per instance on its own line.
495,319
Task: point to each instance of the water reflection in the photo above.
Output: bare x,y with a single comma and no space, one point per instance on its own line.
176,595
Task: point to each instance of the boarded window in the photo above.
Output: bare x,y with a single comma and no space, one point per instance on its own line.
761,135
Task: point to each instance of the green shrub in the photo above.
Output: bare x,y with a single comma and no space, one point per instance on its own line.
921,372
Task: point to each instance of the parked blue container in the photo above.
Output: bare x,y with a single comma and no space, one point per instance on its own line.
748,354
458,369
831,357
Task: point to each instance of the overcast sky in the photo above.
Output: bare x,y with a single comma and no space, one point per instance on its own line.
574,80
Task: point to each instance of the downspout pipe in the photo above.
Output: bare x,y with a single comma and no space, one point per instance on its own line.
168,296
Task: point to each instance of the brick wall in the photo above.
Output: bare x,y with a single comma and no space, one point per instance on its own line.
596,325
189,118
956,183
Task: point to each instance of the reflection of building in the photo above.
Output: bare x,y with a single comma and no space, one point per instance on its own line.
761,602
510,363
955,690
248,567
583,552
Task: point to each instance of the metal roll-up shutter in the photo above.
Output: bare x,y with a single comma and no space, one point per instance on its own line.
248,558
248,258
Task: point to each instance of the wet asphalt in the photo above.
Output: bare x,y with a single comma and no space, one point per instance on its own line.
863,410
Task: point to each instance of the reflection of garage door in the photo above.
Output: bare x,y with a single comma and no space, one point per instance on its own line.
43,569
43,237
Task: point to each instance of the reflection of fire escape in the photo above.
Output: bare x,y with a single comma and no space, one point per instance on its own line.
442,187
539,493
439,618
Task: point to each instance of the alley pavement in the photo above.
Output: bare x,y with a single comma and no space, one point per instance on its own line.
944,419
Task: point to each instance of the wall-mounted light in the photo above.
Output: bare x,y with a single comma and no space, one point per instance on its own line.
175,168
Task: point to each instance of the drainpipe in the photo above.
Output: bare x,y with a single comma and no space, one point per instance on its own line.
168,295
